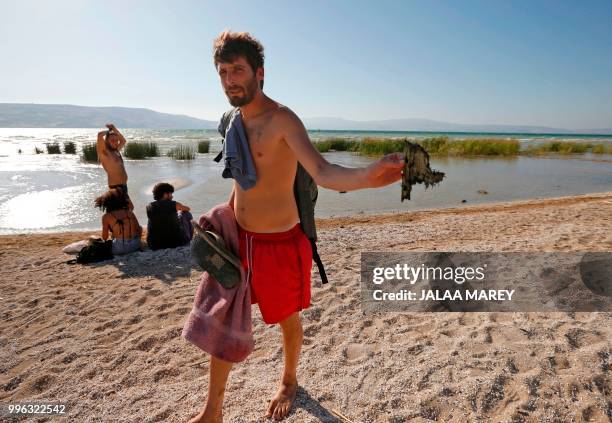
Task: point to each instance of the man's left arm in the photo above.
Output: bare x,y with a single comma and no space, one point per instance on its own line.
384,171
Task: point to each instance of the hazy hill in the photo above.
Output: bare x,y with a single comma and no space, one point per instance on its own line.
335,123
21,115
18,115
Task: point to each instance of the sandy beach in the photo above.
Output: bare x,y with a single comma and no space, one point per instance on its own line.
106,339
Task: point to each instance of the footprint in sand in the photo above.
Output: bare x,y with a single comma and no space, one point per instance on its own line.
134,320
354,352
107,325
163,306
311,330
42,383
165,374
13,383
140,301
147,344
69,358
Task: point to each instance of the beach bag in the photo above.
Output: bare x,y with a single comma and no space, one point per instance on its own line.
76,247
96,250
305,191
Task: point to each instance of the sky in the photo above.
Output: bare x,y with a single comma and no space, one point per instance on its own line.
519,62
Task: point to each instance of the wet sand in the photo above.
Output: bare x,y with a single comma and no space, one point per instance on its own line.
105,339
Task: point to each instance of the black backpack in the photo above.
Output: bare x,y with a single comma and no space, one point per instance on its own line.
96,250
305,191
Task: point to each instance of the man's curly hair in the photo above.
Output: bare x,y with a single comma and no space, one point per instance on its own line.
230,45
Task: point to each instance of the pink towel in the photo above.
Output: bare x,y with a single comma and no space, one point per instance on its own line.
220,320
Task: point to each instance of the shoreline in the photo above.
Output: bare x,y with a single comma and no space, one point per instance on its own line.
50,238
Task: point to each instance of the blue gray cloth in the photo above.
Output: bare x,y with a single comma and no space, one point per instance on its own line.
238,160
184,219
125,246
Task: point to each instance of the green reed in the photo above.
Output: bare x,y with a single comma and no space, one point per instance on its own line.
561,147
141,150
602,149
89,153
53,148
182,152
69,147
203,147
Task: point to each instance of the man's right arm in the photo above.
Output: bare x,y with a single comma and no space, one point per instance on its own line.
100,144
180,207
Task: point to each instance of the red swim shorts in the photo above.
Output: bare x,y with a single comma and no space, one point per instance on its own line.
278,267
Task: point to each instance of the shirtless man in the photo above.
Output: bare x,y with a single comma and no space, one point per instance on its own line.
277,140
108,146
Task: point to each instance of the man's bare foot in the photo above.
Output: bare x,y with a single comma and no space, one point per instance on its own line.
207,417
281,404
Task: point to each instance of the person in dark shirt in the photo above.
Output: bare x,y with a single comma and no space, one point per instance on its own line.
169,224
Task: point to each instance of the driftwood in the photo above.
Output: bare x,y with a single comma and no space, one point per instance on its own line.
417,170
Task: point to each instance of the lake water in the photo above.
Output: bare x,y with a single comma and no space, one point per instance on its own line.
49,193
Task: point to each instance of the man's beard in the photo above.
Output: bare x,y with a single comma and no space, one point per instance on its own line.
249,94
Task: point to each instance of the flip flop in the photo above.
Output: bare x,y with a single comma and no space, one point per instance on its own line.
210,252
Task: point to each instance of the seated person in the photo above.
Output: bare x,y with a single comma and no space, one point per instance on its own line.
120,220
169,223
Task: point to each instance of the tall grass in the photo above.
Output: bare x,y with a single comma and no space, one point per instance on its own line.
561,147
203,147
444,146
337,144
53,148
69,147
141,150
182,152
89,153
484,147
380,146
440,146
37,150
435,145
602,149
151,149
322,146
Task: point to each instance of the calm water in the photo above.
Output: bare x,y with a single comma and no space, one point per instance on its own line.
44,192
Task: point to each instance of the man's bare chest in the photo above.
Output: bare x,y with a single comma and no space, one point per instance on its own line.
264,141
112,159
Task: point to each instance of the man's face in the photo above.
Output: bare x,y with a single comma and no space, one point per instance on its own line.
112,141
239,81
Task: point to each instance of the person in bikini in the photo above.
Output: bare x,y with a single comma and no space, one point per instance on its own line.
273,248
108,147
120,221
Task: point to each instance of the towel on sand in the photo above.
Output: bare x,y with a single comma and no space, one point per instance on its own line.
220,320
238,160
